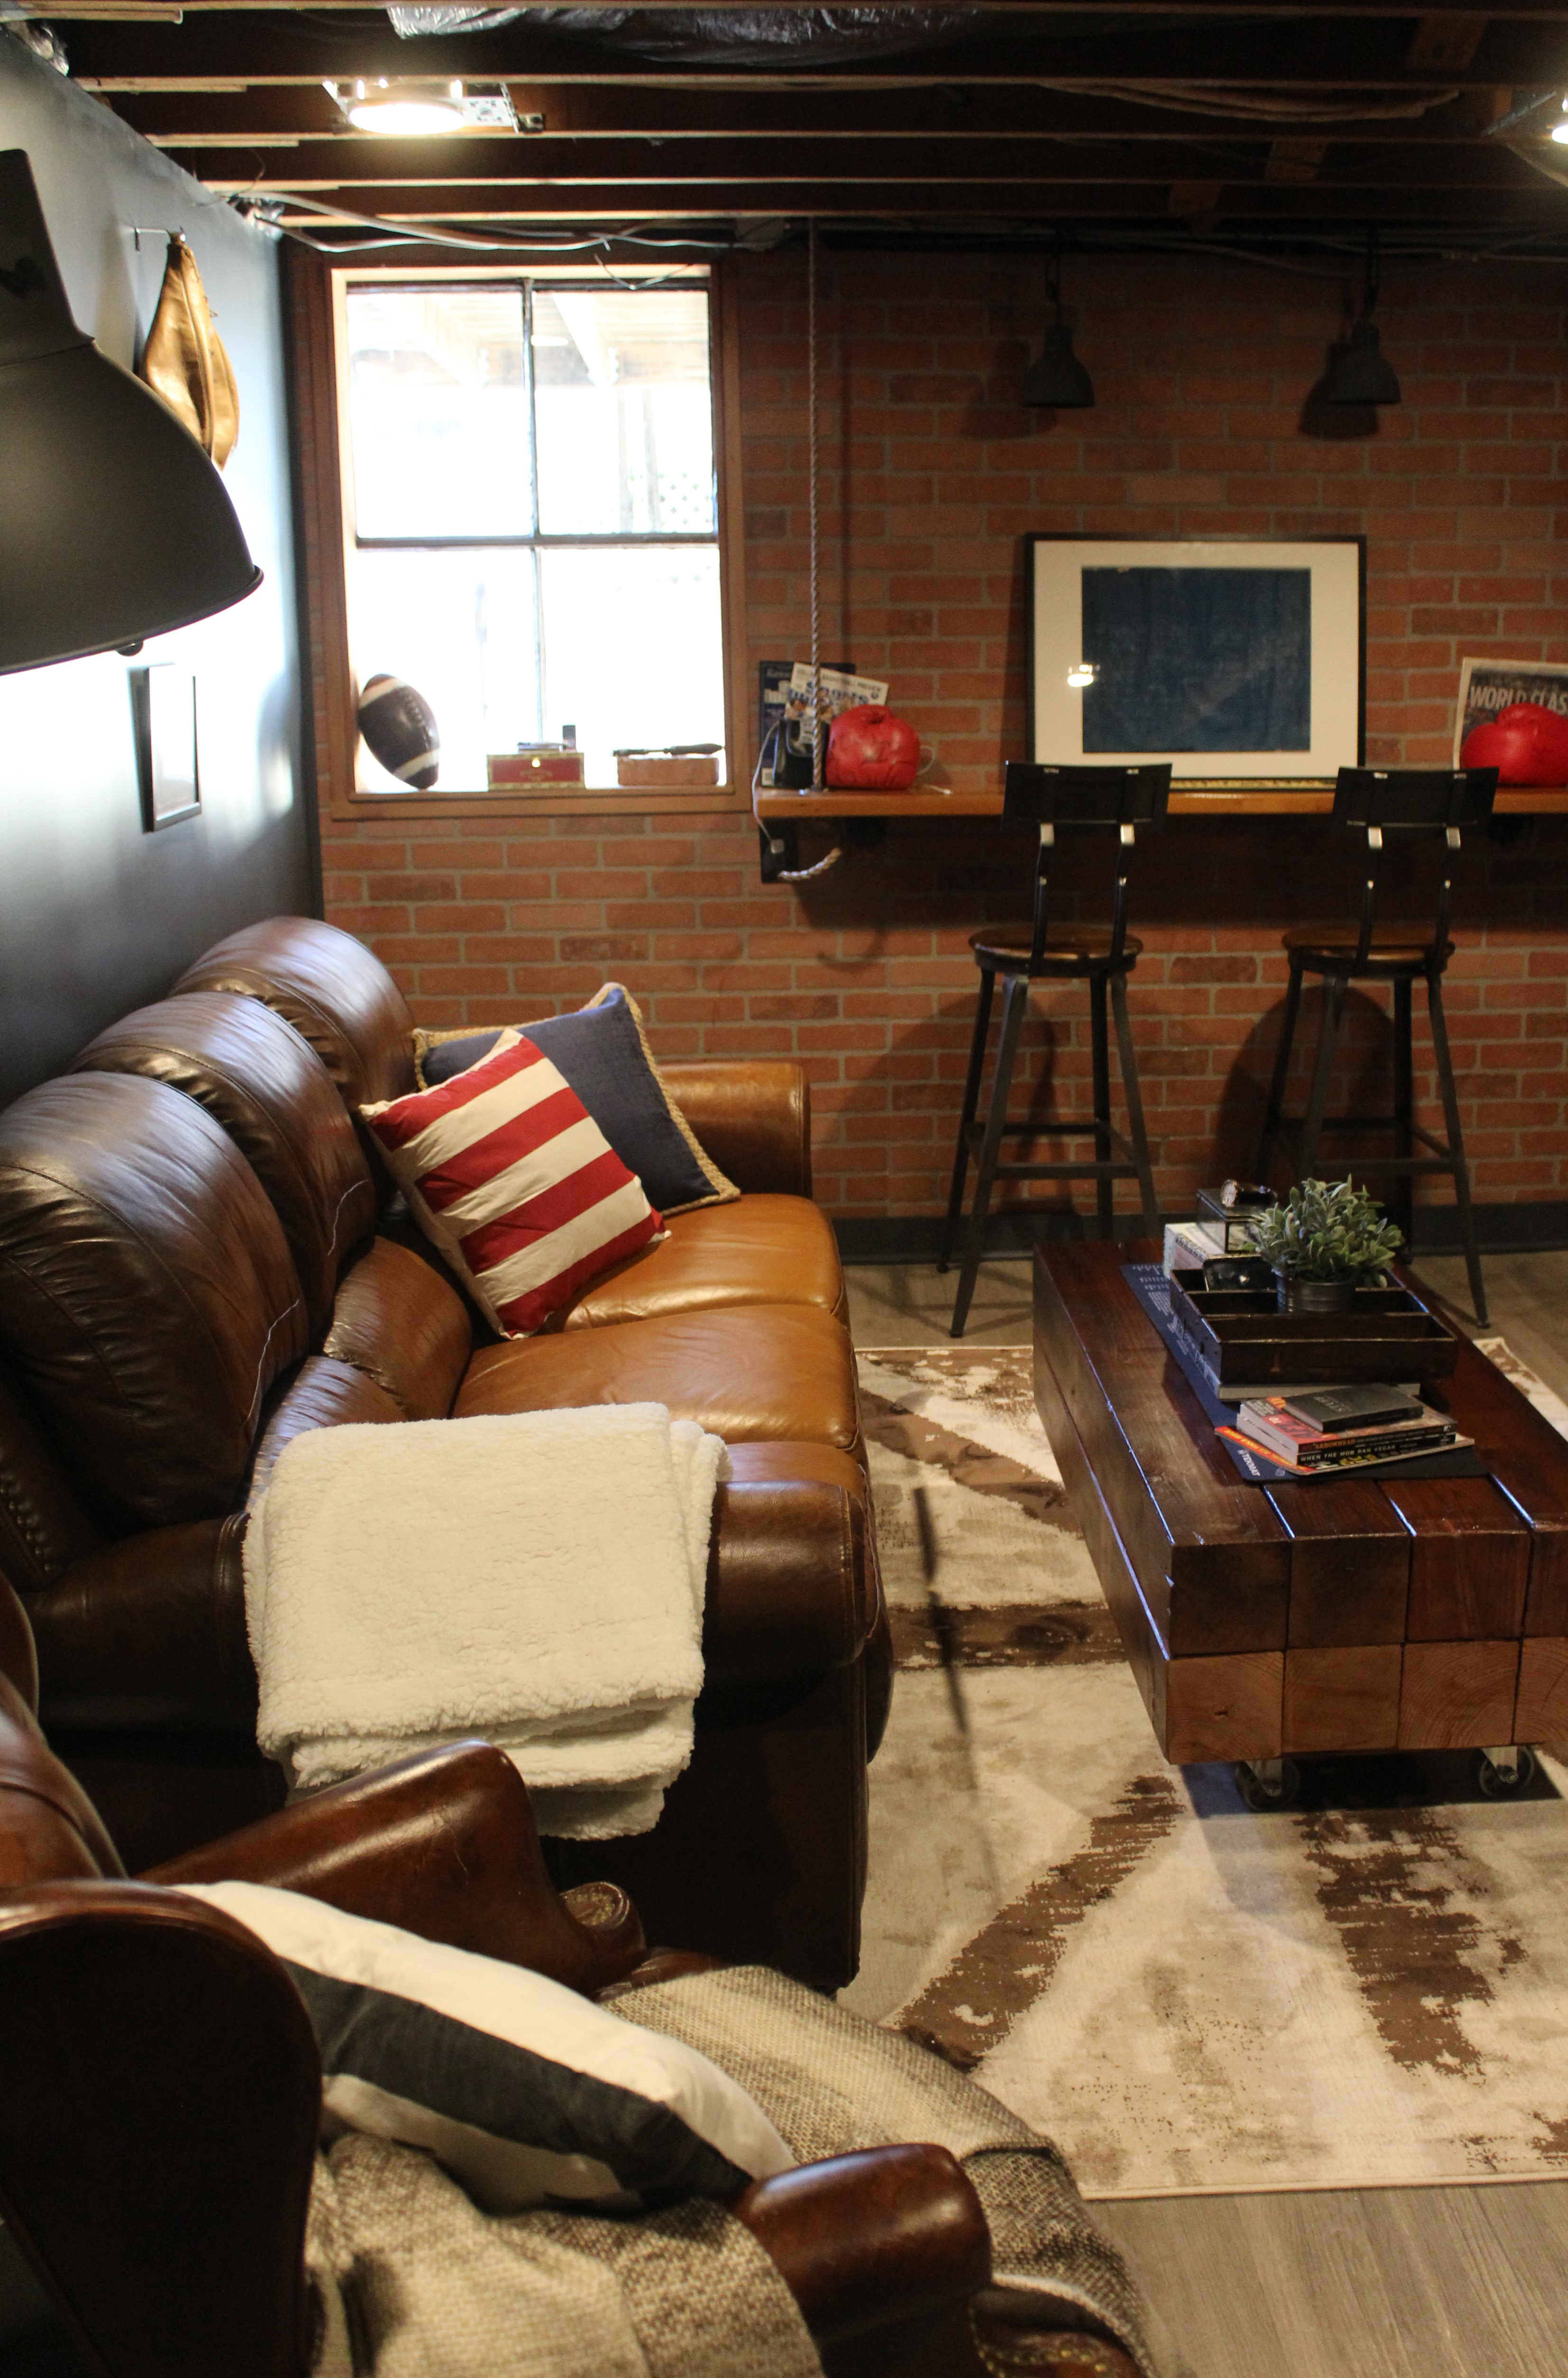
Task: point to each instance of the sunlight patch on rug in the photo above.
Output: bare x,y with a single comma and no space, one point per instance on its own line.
1372,1989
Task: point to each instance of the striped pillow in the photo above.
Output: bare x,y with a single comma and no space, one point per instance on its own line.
511,1179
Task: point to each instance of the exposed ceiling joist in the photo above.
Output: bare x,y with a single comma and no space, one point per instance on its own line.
1053,170
302,111
1342,51
1264,113
1262,208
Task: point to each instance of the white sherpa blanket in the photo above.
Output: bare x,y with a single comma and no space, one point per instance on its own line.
533,1578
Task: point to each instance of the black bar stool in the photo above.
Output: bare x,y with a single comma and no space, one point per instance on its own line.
1399,804
1119,800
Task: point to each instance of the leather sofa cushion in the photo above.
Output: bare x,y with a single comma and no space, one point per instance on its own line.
149,1635
331,988
399,1322
755,1371
148,1299
752,1251
44,1524
270,1092
322,1394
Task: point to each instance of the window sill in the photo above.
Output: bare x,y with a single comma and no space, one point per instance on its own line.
607,800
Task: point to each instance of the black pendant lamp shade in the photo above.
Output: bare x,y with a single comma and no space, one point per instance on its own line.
1361,373
1056,378
114,524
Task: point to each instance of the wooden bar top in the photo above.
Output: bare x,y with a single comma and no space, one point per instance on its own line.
1190,801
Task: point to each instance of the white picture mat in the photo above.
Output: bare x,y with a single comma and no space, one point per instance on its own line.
1335,569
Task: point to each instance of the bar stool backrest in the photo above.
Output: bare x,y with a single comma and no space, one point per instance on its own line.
1378,801
1084,798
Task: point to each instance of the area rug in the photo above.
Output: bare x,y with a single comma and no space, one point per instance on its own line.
1369,1989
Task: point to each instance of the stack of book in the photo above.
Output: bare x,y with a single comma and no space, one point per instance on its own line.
1313,1430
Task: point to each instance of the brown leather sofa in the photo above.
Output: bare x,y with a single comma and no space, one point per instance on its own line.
155,2141
196,1264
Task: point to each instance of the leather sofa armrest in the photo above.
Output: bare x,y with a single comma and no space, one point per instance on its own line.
149,1632
753,1115
891,2243
442,1843
868,2241
790,1594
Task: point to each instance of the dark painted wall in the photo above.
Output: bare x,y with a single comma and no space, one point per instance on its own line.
95,915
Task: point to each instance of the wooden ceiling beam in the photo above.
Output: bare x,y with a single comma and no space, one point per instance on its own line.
1064,165
1447,39
1267,206
1348,52
298,113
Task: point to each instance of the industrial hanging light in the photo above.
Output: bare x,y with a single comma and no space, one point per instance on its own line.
1056,378
114,524
1359,374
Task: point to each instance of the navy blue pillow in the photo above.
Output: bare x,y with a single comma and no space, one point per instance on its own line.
442,1059
602,1053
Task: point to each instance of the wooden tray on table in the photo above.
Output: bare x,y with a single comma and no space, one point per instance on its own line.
1242,1339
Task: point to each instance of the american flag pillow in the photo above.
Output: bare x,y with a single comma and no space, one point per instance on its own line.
507,1174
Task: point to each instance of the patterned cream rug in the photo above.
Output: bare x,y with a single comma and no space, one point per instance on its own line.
1369,1988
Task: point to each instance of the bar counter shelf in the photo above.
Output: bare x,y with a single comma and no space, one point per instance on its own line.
1189,799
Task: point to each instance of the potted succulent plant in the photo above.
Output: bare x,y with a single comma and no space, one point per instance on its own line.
1324,1242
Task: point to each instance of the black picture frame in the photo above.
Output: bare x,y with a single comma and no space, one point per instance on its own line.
1335,660
163,717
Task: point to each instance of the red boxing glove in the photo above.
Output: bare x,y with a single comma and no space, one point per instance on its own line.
870,751
1526,743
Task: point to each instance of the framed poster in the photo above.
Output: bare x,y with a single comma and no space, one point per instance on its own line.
163,714
1239,661
1487,687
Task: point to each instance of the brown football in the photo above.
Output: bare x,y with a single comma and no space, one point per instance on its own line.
400,728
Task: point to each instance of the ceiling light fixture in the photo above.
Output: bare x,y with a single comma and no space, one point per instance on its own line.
114,524
1559,129
1056,378
412,107
1361,373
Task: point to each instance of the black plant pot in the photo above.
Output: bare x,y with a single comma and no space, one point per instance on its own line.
1314,1295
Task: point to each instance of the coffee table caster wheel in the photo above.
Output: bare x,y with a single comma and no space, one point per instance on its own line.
1268,1783
1503,1773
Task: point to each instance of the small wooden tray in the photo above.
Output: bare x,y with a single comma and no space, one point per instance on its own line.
1242,1339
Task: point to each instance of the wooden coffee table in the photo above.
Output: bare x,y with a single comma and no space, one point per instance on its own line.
1345,1614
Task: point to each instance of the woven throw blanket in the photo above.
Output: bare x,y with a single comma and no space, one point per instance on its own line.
536,1578
410,2280
833,2083
414,2281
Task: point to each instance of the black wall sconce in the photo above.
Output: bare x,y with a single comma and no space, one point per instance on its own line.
114,523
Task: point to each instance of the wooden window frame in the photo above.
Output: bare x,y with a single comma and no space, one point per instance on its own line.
315,286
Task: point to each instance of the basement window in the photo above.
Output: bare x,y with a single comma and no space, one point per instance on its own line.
531,521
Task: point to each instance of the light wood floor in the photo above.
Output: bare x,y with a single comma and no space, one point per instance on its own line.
1353,2283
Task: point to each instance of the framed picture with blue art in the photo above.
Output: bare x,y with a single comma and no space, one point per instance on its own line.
1240,661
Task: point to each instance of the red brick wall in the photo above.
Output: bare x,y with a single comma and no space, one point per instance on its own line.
937,473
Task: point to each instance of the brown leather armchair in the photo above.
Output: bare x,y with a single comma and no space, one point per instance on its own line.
159,2119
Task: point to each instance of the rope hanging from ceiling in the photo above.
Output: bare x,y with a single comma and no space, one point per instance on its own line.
804,874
